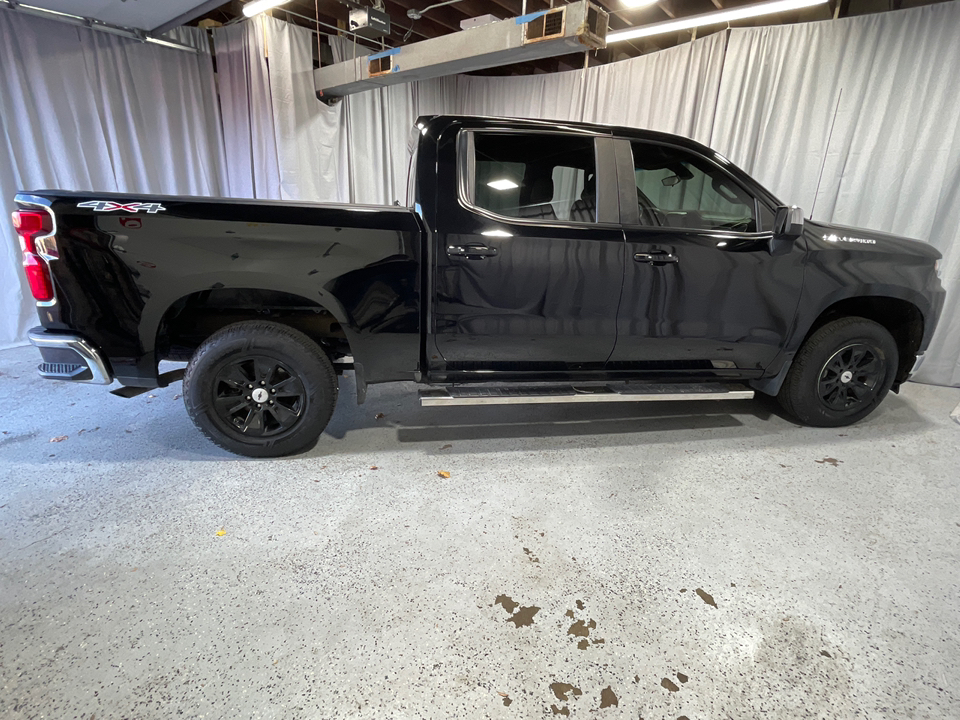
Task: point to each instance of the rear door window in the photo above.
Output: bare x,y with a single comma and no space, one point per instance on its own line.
536,176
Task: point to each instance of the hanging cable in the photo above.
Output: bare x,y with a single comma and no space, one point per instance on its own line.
316,8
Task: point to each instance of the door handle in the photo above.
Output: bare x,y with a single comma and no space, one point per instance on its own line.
471,251
656,258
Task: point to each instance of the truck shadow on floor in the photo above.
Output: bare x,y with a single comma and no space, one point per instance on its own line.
497,424
414,424
635,422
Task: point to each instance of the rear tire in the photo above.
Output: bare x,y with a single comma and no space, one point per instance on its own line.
260,389
841,373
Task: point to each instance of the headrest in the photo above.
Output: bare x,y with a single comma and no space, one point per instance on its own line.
589,191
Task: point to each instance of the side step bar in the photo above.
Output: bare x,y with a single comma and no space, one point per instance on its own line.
618,392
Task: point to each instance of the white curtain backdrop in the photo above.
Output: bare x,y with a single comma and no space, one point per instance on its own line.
377,132
292,146
672,91
83,110
246,106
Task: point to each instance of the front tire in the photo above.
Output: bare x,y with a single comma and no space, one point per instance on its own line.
260,389
841,373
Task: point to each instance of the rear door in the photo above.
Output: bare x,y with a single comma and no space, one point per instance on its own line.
529,256
705,290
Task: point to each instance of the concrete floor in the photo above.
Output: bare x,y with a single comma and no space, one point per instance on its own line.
704,561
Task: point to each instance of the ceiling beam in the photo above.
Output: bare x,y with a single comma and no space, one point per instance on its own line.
668,7
186,17
441,16
399,23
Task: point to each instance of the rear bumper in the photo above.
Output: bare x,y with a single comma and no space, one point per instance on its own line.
69,357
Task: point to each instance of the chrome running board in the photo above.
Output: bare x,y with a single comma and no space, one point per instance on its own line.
614,392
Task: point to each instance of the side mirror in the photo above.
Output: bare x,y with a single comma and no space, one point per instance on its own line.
788,223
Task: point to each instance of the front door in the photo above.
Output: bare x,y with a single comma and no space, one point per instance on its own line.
529,263
706,292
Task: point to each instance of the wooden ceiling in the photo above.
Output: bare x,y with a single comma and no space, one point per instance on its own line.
332,15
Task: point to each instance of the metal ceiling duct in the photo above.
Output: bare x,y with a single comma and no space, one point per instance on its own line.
576,27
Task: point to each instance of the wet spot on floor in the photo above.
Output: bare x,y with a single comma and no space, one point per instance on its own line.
508,604
583,644
524,616
829,461
562,690
636,678
530,555
569,613
608,698
670,685
560,711
580,605
507,701
683,589
682,678
706,597
581,629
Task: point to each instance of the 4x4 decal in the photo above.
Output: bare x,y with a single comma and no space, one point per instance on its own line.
110,206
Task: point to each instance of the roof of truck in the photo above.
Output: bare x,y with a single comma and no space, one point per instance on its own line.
593,128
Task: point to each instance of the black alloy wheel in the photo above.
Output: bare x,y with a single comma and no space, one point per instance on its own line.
259,396
851,376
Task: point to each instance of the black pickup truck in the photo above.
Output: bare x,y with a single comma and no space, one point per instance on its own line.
532,262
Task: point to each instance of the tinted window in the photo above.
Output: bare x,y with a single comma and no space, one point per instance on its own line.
678,189
535,176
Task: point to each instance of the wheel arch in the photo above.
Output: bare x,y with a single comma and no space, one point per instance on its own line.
901,317
193,317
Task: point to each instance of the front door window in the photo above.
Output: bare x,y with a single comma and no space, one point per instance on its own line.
680,190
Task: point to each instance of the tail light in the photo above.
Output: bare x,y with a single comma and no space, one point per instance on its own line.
31,224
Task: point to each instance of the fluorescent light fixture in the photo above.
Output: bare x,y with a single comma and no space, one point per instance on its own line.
721,16
496,233
634,4
169,43
504,184
34,8
258,6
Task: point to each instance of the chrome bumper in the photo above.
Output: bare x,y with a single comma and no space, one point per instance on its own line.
69,357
